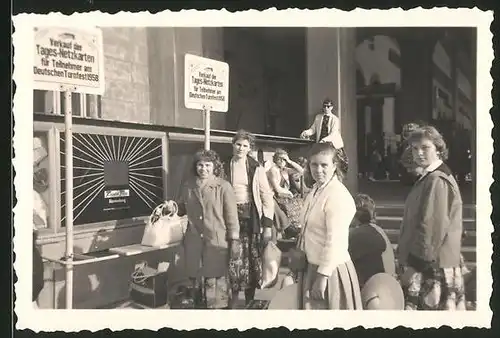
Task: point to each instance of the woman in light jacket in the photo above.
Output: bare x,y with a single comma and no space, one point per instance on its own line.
430,240
212,235
330,280
254,198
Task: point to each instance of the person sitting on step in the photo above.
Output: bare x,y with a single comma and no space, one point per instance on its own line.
369,247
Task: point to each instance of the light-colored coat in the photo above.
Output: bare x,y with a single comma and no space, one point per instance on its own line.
333,126
431,230
213,220
326,218
263,194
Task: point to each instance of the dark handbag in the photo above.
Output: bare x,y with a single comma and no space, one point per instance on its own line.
297,260
185,298
257,304
149,287
244,211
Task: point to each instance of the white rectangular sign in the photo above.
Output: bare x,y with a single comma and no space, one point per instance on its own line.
68,59
206,83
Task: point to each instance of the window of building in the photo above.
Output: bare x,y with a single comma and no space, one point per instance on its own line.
445,97
394,57
371,43
84,105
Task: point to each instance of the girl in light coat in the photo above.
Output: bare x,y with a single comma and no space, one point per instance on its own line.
212,236
431,232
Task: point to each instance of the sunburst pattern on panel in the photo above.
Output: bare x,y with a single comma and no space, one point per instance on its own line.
113,164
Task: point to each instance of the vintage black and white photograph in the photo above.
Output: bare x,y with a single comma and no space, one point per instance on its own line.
279,166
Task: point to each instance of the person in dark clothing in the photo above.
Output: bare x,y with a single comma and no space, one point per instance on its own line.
369,246
38,280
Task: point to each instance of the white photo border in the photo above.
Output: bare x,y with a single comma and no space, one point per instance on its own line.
94,320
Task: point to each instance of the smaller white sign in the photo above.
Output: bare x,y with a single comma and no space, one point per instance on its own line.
68,59
206,84
116,193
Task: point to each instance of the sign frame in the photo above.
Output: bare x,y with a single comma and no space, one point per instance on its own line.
219,77
90,36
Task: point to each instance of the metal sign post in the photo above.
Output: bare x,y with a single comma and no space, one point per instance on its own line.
77,66
339,80
206,88
206,114
68,151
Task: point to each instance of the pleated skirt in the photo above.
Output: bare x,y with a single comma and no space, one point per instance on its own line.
342,291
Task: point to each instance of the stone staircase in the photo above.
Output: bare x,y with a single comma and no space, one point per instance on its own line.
389,218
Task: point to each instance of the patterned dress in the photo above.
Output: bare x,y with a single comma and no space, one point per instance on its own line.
291,206
245,270
436,289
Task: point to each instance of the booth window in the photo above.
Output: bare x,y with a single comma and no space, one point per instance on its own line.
52,102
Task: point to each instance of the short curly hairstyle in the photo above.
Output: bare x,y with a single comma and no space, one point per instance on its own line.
244,135
208,156
279,153
365,209
432,134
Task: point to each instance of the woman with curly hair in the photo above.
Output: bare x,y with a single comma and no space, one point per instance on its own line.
213,231
410,171
430,241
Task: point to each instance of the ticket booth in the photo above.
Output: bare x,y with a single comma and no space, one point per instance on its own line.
121,172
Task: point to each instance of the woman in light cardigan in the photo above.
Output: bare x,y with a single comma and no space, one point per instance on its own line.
330,280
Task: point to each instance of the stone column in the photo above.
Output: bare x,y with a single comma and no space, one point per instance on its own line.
167,48
126,70
416,77
331,72
388,119
454,81
162,74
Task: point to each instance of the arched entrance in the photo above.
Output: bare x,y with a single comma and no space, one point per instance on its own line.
377,83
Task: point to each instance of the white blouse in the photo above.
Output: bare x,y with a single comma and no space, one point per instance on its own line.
327,215
239,181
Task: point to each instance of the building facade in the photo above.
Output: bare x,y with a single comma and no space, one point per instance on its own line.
415,75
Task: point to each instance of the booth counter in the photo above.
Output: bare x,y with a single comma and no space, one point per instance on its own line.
121,172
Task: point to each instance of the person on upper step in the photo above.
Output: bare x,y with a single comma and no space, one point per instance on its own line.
326,128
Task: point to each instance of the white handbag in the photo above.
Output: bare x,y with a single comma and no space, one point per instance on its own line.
271,261
162,230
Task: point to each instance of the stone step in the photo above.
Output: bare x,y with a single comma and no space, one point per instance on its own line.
468,252
469,211
394,222
469,241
